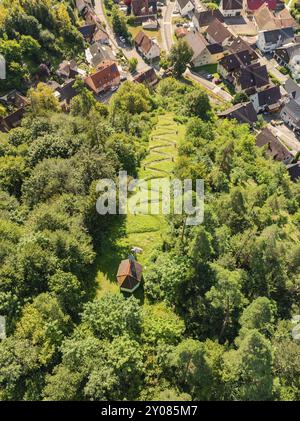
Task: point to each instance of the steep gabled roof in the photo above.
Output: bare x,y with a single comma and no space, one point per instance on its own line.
272,37
232,4
243,113
143,42
183,3
218,32
148,76
275,148
238,45
269,96
256,4
292,88
206,17
253,76
197,42
106,73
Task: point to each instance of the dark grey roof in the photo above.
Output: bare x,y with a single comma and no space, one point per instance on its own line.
215,48
253,76
292,88
293,109
218,32
87,31
206,17
271,37
238,45
232,4
183,3
294,171
275,148
269,96
67,91
243,113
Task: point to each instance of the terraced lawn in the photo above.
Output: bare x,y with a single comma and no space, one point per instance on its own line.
145,231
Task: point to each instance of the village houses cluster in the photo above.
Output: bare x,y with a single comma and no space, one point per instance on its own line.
240,38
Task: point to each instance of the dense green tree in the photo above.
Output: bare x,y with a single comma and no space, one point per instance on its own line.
180,56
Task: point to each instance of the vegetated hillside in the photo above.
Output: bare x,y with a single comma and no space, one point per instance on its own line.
34,32
214,320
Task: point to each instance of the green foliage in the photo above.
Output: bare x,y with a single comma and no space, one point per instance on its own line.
180,56
240,97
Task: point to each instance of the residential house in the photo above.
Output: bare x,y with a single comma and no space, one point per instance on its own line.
273,146
252,5
243,113
144,8
66,92
67,69
12,121
100,37
290,114
267,100
13,99
294,171
292,89
266,20
251,79
96,53
106,76
232,63
87,31
150,24
202,19
231,7
203,52
268,41
83,5
184,7
217,33
289,57
148,77
146,46
238,44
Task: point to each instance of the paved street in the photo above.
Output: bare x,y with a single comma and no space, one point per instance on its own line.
223,95
166,26
129,52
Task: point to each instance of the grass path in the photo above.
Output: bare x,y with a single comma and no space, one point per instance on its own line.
145,231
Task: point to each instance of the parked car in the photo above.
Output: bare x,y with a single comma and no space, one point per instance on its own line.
216,81
123,77
160,4
122,39
186,25
209,76
114,88
178,24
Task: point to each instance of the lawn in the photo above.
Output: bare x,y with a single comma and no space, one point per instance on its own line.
145,231
152,33
207,68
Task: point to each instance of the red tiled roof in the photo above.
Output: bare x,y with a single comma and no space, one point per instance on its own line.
256,4
106,73
143,42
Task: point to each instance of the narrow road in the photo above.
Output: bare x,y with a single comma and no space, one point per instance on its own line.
166,26
219,92
129,52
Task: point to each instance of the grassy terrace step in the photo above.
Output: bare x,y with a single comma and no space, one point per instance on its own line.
145,231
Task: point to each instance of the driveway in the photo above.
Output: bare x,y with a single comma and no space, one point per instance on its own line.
287,136
217,90
272,65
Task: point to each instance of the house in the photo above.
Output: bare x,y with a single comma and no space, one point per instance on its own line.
96,53
231,7
106,76
251,79
292,89
294,171
146,46
148,77
238,44
14,99
289,57
203,52
268,41
66,92
202,19
67,69
243,113
232,63
129,275
267,100
184,6
217,33
252,5
83,5
87,31
273,146
290,114
266,20
100,36
144,8
12,121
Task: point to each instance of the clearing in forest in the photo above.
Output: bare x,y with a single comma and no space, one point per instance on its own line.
145,231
